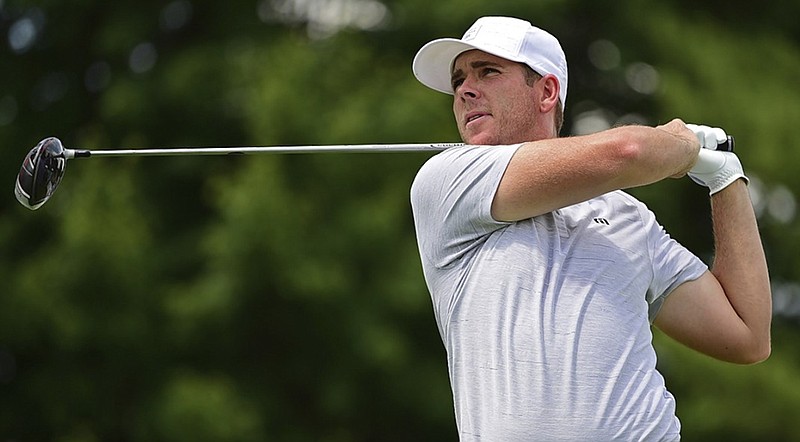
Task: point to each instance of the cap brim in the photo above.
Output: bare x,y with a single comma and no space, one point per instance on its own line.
433,63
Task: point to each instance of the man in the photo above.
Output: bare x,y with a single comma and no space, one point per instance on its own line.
545,277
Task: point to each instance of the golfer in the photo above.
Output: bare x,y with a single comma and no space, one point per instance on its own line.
545,277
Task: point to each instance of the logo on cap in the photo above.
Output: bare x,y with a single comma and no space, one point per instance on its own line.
471,32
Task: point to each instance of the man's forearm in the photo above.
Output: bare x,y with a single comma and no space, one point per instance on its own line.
740,265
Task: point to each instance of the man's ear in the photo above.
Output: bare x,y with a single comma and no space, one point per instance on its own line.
550,93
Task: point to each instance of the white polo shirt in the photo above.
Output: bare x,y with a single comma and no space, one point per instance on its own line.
546,321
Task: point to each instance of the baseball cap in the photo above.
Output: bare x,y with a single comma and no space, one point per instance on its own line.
506,37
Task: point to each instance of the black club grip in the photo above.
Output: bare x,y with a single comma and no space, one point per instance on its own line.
727,145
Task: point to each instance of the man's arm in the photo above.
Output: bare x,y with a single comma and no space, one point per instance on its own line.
550,174
727,312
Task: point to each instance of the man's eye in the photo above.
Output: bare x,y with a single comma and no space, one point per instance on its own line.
457,82
487,71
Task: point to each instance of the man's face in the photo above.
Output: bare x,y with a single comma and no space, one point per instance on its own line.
492,102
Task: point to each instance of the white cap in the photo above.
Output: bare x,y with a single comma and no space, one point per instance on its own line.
510,38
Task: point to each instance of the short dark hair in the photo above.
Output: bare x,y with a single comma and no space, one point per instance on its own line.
530,77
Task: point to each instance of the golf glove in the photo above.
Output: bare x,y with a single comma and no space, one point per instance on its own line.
709,137
716,169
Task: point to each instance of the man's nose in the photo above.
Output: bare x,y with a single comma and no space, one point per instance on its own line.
468,88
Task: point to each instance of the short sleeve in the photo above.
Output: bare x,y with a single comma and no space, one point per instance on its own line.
672,264
451,199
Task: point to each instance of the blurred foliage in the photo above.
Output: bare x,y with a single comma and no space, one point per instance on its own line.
280,297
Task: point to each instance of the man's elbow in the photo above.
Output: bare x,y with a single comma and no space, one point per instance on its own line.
763,354
754,354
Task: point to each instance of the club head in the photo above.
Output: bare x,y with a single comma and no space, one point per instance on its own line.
40,173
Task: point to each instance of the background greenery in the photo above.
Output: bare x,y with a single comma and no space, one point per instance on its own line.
280,297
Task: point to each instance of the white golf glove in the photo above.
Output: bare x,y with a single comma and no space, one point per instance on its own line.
709,137
716,170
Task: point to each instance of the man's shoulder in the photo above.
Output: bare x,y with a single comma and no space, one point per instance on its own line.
468,153
462,161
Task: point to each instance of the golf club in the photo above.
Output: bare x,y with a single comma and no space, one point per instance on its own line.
44,166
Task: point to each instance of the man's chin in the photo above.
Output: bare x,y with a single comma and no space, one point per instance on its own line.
480,139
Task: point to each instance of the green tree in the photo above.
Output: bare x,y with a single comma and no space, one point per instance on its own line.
281,297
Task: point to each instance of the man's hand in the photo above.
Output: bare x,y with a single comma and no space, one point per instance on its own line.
681,131
714,169
709,137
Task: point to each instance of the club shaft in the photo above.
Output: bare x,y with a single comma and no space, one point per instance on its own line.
727,145
242,150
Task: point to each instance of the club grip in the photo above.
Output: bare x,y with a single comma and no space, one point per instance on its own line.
727,145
